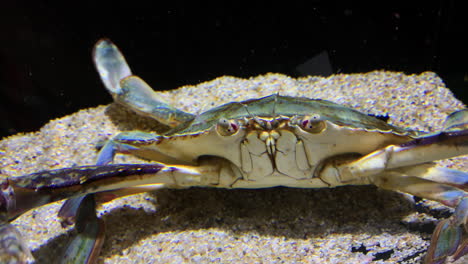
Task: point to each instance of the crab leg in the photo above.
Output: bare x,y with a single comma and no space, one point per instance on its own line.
396,168
20,194
86,245
435,147
451,142
450,237
106,155
71,208
130,90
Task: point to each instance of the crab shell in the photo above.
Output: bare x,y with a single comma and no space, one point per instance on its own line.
271,141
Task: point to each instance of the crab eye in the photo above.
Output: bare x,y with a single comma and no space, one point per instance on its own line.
227,127
312,124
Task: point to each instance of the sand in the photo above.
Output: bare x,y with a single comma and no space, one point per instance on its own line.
279,225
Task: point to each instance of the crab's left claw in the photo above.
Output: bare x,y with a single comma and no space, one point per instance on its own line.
450,238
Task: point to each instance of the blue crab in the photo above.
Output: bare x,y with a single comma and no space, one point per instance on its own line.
259,143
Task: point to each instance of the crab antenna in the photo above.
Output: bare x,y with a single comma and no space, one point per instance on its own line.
248,112
252,116
274,105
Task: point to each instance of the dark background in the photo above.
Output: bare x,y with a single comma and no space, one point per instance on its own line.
45,49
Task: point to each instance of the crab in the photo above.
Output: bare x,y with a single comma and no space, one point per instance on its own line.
259,143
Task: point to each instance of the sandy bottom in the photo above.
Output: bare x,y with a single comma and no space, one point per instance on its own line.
279,225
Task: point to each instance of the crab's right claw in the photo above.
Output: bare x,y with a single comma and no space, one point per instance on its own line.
450,238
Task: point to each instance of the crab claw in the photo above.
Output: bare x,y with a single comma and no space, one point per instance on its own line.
450,238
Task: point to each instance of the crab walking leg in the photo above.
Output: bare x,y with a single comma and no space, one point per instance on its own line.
132,142
435,147
403,168
85,246
130,90
433,174
111,65
113,69
127,90
20,194
69,209
89,239
106,155
450,237
126,142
